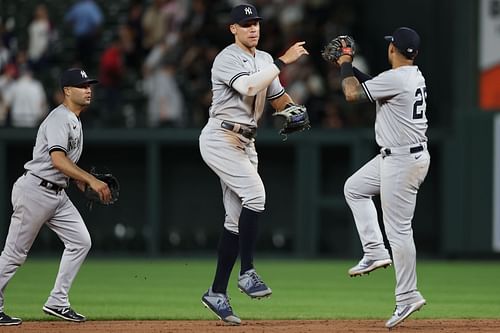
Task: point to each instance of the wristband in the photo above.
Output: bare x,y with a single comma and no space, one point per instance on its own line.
279,63
346,70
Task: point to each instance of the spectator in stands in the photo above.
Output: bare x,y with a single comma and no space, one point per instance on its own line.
111,72
26,100
165,101
134,26
4,56
132,56
7,77
7,80
153,24
86,18
8,35
39,32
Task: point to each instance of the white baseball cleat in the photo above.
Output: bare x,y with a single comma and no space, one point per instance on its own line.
401,312
365,266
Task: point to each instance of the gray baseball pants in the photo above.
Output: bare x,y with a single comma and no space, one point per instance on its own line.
35,206
396,178
234,159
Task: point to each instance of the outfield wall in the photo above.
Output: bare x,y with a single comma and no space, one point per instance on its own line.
170,201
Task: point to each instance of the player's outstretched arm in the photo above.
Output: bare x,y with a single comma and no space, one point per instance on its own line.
340,51
294,53
250,85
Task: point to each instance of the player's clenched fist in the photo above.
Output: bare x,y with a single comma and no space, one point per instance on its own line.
294,52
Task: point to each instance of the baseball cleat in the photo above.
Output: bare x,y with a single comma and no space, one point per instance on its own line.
401,312
64,313
365,266
219,304
251,284
6,320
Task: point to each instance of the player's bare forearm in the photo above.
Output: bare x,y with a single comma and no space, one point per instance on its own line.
279,103
69,168
353,90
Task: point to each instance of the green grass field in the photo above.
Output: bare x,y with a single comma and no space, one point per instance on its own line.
171,289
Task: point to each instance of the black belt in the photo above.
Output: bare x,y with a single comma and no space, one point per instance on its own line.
47,184
247,132
413,150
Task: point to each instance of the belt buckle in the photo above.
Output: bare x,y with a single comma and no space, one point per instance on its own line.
45,184
50,186
416,149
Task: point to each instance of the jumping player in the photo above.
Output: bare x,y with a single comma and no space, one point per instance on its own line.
39,197
397,172
243,77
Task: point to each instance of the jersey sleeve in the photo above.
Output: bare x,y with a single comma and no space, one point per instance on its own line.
57,134
275,89
227,68
383,86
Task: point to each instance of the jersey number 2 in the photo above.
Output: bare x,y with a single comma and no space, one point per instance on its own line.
420,104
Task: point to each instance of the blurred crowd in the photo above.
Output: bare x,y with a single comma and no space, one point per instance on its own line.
153,58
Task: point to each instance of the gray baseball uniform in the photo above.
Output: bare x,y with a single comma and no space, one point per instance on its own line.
395,174
232,155
38,197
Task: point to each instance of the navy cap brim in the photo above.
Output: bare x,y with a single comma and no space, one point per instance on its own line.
389,38
255,18
78,84
90,81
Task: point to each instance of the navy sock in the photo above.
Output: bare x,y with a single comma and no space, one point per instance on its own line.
226,257
248,229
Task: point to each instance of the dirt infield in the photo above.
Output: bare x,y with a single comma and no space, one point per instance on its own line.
264,326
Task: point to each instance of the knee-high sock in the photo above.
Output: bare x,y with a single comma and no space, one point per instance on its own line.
226,257
248,229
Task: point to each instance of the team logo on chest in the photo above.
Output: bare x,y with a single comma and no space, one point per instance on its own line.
74,143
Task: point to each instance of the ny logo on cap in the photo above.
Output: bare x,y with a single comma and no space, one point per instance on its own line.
248,10
83,74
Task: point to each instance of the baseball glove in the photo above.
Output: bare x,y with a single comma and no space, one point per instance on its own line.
334,50
113,184
296,119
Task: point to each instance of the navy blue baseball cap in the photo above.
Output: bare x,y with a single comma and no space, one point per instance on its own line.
243,13
75,77
406,40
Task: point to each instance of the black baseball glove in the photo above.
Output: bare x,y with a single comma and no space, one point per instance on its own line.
113,184
335,49
296,119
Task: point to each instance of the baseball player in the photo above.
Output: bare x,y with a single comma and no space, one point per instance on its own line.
243,77
397,172
39,197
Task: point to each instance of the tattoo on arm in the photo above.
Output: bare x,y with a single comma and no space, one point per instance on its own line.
353,91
